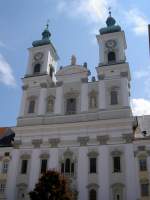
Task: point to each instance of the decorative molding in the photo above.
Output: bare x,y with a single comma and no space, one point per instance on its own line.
124,74
54,142
59,84
25,87
44,155
25,156
84,80
72,93
83,140
128,138
36,143
116,152
117,185
92,186
102,139
68,153
101,77
93,154
43,85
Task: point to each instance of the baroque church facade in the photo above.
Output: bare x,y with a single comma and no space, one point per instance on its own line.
83,129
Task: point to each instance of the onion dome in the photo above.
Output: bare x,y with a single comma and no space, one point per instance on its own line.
45,38
111,26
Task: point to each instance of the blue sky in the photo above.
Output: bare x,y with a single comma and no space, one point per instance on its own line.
73,24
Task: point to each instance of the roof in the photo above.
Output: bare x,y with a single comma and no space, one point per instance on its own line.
6,137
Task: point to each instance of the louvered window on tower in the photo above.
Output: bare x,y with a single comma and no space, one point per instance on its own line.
37,68
111,57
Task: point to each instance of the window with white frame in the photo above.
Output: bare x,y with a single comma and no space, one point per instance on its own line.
68,163
2,187
143,164
24,166
5,166
93,162
145,189
117,191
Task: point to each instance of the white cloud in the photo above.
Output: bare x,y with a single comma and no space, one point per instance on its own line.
140,107
137,21
92,10
6,75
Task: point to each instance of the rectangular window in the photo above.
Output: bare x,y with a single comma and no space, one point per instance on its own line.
143,164
116,164
2,187
5,167
114,98
31,106
43,166
92,165
71,106
24,166
145,190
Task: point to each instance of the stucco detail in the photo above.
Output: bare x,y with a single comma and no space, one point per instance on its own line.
102,139
83,140
54,142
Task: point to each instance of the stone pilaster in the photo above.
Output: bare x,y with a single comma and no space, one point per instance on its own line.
102,95
84,97
23,100
42,99
59,98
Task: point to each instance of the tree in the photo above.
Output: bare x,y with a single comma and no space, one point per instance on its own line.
51,186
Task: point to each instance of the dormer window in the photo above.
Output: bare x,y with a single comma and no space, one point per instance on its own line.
111,57
37,68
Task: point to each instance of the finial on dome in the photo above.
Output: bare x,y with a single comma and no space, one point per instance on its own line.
46,34
73,60
109,9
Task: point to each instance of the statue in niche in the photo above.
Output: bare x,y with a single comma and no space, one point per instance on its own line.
73,60
50,104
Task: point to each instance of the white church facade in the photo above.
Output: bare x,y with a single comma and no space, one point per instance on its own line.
83,129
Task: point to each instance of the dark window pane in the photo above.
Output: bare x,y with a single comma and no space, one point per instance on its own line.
92,165
37,68
67,166
72,168
111,57
92,195
116,163
114,97
31,106
62,167
143,165
24,166
43,166
145,190
71,106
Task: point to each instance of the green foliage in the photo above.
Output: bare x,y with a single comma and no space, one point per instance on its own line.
51,186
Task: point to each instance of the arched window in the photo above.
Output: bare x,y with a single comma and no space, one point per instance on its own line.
114,97
111,57
31,108
92,194
37,68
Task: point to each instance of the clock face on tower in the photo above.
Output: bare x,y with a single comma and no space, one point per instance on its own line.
38,56
110,43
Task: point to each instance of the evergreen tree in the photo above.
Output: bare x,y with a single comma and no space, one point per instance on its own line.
51,186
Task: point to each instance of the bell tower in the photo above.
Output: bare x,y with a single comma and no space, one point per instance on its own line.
40,75
113,70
